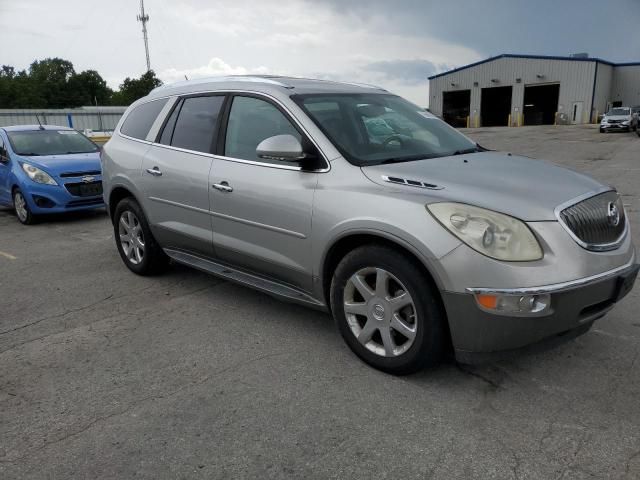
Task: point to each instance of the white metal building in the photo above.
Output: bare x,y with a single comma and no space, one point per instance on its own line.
533,90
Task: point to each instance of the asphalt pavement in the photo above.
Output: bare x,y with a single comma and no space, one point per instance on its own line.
104,374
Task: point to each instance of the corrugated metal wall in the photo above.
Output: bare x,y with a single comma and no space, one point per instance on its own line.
603,89
625,87
575,78
94,118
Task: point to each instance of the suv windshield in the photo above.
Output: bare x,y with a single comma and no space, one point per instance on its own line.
50,142
371,129
619,111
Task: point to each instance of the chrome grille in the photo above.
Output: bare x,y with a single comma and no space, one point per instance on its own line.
597,223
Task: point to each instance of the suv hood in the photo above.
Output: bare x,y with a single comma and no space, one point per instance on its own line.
57,164
522,187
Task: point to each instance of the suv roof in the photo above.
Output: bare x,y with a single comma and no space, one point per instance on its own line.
265,84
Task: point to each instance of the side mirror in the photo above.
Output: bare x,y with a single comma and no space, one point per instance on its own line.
281,147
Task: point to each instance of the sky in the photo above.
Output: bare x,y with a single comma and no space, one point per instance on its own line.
396,44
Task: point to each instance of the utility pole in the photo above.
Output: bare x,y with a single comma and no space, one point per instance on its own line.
144,18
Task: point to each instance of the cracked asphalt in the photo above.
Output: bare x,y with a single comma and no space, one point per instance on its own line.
104,374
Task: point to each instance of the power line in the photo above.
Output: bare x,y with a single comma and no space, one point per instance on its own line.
144,18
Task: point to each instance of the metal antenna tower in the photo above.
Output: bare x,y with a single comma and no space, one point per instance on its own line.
144,18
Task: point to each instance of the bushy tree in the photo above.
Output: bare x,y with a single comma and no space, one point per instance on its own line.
54,83
132,89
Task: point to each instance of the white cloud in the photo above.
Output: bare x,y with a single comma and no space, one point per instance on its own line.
215,67
201,38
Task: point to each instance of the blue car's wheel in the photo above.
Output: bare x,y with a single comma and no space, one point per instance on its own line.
22,208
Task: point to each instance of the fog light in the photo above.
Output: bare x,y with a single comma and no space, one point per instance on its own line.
521,305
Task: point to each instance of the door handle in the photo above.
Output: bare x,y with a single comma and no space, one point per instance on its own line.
155,171
223,187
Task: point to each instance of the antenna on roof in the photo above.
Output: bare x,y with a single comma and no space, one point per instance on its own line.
39,122
186,78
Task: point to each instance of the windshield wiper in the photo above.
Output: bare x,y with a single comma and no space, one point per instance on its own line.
467,150
407,158
29,154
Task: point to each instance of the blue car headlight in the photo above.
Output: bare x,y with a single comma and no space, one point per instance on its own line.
37,175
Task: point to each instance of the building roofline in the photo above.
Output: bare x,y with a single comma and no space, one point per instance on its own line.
536,57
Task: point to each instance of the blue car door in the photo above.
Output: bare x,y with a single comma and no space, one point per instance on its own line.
5,173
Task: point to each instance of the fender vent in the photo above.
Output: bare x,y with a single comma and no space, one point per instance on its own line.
411,183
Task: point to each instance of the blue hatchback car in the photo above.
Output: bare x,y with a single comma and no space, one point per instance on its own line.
46,169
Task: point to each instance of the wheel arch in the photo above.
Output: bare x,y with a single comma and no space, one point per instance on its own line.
118,193
345,244
354,239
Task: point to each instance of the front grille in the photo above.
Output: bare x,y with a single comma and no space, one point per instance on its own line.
82,189
79,174
615,121
598,222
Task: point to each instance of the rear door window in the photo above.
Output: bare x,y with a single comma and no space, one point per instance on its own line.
139,121
195,123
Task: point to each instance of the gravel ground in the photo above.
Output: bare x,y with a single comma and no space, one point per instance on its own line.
104,374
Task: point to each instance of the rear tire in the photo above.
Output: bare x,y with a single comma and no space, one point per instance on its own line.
388,311
138,249
20,205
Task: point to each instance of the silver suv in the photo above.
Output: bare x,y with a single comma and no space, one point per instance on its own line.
349,199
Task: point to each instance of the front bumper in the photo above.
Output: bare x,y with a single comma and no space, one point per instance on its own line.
614,126
479,336
43,199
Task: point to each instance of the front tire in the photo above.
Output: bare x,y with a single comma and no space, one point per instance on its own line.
20,205
387,310
138,249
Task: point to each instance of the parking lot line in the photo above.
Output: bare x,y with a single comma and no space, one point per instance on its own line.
7,255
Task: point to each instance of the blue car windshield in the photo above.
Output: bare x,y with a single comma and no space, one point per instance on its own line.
370,129
50,142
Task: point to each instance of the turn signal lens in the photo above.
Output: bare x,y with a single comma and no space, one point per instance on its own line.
519,305
488,301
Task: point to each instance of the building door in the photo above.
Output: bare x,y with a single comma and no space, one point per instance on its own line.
455,107
576,113
495,106
541,104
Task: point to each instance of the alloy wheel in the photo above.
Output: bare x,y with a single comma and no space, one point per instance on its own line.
380,312
20,206
131,237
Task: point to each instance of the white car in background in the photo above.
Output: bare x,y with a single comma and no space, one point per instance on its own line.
618,118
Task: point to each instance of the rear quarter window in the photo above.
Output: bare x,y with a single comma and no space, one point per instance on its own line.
139,121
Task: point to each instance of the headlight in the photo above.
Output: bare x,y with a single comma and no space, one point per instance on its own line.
491,233
38,175
626,122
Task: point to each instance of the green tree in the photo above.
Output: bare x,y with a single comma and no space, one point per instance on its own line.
87,88
132,89
54,83
51,78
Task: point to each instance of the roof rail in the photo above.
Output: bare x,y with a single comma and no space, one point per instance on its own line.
226,78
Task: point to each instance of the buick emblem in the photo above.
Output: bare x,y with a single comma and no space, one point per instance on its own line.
88,179
378,311
613,214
